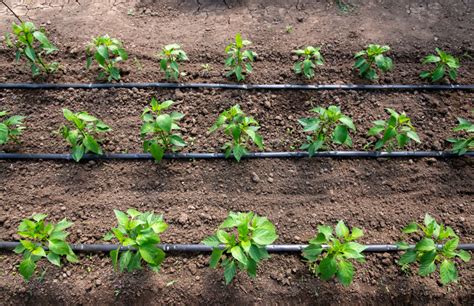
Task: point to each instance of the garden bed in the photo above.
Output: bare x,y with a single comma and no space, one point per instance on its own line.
379,196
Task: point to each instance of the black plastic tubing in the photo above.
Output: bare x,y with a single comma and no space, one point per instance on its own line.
145,156
201,248
44,86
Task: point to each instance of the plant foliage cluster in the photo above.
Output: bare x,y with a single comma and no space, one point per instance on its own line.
240,243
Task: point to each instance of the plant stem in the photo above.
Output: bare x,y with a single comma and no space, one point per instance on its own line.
16,16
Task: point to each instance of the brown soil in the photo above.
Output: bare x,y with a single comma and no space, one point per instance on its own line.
195,196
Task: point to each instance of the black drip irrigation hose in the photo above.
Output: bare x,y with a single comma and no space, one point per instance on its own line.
53,86
145,156
201,248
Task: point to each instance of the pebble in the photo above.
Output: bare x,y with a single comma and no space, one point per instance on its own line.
270,180
255,177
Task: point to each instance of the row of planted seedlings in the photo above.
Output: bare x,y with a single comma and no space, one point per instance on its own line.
160,131
33,44
240,244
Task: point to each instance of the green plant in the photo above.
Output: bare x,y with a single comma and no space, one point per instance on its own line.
334,259
140,233
240,127
158,129
397,131
33,45
82,136
169,57
38,235
289,29
206,67
331,126
107,52
427,253
365,60
311,57
10,128
238,60
445,62
460,145
243,250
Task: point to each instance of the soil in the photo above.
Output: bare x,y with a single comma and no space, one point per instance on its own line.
380,196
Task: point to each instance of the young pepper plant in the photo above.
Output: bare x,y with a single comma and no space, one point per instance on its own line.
10,128
311,57
428,254
462,144
107,52
169,56
140,232
82,136
373,54
335,258
445,63
239,60
331,126
158,129
37,236
241,128
397,131
243,250
33,45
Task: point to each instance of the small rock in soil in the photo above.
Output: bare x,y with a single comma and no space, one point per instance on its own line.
255,177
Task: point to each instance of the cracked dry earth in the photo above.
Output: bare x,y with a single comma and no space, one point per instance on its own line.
379,196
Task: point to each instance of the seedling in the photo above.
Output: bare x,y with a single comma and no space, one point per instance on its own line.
244,250
330,127
206,67
239,60
107,52
463,144
33,45
158,129
140,232
82,136
365,60
241,128
289,29
10,128
38,235
169,56
311,57
445,63
335,258
397,131
427,252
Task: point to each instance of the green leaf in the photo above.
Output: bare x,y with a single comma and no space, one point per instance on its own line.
156,151
410,228
122,218
77,152
125,260
340,134
264,236
425,245
312,252
59,247
30,53
408,257
215,257
427,263
345,272
341,229
212,241
448,272
54,259
27,268
91,144
229,271
414,136
164,122
328,267
238,151
438,73
464,255
238,254
39,251
151,254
